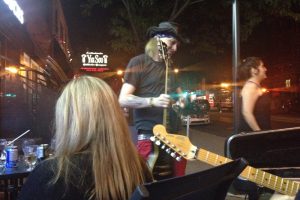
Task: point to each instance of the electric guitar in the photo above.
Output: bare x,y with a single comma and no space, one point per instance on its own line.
179,146
163,54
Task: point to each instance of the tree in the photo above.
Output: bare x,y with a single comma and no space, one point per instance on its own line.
133,17
128,28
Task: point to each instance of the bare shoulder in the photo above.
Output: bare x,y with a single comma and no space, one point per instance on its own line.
250,89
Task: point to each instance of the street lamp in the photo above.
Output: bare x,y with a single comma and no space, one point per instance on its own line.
13,70
224,85
9,70
176,70
120,72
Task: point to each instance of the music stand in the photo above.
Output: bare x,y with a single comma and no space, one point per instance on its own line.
276,148
211,184
276,151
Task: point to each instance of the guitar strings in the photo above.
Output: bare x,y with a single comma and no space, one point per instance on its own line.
279,184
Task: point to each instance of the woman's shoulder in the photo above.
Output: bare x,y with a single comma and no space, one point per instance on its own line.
44,171
48,166
250,89
38,180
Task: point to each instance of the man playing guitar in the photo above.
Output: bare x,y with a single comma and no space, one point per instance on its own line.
144,90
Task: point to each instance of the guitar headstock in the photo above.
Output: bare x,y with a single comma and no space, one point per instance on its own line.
172,142
162,49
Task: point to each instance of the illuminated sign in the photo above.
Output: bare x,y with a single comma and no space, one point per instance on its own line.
94,61
15,8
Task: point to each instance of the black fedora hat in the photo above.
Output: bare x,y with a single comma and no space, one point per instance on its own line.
165,28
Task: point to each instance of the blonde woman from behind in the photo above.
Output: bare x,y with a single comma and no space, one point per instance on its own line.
95,157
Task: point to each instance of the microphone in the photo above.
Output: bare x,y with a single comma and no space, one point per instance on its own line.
162,48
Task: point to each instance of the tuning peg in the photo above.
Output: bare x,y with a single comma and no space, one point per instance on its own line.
152,138
173,154
168,150
178,158
157,143
163,146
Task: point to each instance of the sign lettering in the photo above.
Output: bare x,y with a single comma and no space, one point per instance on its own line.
15,8
94,59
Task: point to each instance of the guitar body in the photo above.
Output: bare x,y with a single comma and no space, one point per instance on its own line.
181,147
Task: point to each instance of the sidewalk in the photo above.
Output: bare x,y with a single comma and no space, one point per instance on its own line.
286,118
226,117
213,144
208,142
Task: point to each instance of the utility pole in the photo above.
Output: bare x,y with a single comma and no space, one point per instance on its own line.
235,62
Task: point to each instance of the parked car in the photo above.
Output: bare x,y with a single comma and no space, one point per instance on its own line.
285,102
197,112
223,100
196,119
225,104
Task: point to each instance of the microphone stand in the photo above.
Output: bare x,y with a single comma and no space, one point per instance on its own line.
188,119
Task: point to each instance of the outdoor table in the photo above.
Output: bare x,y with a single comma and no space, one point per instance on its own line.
11,180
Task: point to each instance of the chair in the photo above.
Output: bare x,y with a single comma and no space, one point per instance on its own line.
211,184
11,184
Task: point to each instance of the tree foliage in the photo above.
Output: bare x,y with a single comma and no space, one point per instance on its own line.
133,17
207,23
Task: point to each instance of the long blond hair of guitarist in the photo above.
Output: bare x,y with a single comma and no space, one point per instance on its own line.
145,91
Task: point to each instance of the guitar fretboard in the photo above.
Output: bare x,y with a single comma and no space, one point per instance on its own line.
257,176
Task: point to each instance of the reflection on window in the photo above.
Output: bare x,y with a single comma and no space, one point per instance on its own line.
288,83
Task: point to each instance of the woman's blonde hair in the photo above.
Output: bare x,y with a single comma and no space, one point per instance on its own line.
89,119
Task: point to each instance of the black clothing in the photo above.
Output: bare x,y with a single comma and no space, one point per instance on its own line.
37,185
148,77
81,180
298,196
263,117
261,113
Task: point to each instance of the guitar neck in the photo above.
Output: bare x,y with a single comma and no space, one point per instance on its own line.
165,117
257,176
166,60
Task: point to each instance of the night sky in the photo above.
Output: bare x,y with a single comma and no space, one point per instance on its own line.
87,33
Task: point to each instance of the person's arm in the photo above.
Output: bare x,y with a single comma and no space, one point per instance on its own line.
127,99
250,95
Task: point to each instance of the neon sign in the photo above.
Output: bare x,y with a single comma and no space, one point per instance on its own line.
15,8
94,61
